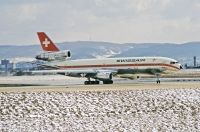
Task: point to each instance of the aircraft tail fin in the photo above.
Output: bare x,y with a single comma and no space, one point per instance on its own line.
46,43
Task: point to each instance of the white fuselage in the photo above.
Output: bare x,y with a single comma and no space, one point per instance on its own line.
163,63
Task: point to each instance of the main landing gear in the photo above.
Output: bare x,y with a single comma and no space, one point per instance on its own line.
89,82
108,82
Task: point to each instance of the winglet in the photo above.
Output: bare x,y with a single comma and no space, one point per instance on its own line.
46,43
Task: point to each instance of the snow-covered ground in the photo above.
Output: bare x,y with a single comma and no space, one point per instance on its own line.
132,110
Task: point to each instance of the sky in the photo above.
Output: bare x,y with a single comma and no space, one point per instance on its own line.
119,21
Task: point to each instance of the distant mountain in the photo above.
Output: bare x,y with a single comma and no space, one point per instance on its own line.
88,49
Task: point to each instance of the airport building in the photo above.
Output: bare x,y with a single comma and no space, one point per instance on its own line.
195,64
9,68
6,67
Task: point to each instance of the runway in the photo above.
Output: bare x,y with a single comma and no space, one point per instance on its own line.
67,84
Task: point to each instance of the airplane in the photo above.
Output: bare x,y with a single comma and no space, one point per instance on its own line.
98,69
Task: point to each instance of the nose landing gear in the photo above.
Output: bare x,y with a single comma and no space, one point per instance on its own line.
158,79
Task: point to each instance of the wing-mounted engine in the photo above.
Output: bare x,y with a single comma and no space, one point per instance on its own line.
51,56
103,76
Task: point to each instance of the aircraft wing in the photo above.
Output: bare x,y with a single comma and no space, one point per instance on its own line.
89,73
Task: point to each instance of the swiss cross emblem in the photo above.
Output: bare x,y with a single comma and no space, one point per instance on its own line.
46,42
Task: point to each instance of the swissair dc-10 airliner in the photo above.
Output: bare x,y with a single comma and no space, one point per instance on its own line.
96,70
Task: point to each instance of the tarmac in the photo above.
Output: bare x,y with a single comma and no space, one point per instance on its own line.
70,84
101,87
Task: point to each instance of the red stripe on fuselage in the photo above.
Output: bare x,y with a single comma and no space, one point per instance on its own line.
118,65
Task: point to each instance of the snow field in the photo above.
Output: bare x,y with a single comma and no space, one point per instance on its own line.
131,110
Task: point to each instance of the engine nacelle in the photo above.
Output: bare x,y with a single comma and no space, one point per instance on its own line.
103,76
51,56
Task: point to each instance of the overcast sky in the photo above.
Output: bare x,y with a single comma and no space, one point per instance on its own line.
120,21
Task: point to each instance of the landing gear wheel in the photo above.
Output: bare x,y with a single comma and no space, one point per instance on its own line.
96,82
86,82
108,82
158,81
91,82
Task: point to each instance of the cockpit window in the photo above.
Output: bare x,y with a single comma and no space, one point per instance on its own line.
173,62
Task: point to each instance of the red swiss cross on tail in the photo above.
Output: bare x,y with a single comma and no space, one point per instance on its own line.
46,43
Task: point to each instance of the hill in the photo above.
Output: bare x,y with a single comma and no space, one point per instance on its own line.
89,49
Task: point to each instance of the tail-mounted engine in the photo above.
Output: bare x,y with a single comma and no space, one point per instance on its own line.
51,56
